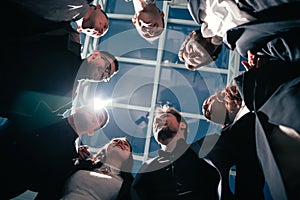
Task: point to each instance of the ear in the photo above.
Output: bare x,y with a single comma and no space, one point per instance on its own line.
98,6
182,125
162,14
193,34
214,57
133,19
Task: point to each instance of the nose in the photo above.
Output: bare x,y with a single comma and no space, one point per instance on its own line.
119,142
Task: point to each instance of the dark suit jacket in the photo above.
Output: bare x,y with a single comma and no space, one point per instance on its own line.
39,56
272,34
39,160
272,94
236,147
177,175
43,65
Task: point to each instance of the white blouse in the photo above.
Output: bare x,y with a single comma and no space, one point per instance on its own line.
243,110
90,185
220,16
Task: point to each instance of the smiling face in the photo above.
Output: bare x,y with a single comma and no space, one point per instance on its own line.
95,24
195,55
149,23
197,51
119,149
116,153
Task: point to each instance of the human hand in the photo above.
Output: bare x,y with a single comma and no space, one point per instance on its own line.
84,152
253,61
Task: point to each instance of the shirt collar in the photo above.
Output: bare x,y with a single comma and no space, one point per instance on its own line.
181,147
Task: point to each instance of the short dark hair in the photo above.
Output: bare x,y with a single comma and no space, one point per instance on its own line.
116,62
210,48
174,112
231,98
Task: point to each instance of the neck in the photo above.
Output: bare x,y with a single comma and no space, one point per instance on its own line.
171,144
140,5
113,163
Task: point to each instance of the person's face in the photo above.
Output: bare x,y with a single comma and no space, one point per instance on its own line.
165,127
118,148
87,120
102,66
150,24
194,54
215,110
96,25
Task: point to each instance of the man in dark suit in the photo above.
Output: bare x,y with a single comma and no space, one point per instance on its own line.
268,34
41,159
178,172
271,107
47,66
271,35
275,102
36,17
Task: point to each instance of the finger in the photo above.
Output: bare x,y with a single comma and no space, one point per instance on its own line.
257,62
83,147
83,155
246,65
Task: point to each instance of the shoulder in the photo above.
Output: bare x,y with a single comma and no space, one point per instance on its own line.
148,164
146,168
203,146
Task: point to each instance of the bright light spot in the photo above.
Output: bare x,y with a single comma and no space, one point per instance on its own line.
100,175
99,103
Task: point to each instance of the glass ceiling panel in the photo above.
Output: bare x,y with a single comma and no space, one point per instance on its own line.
151,75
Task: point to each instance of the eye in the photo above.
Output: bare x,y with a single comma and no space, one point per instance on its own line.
190,48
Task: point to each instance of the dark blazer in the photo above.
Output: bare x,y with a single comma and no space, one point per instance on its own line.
254,7
272,34
41,56
176,175
271,92
257,85
39,160
44,65
236,147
